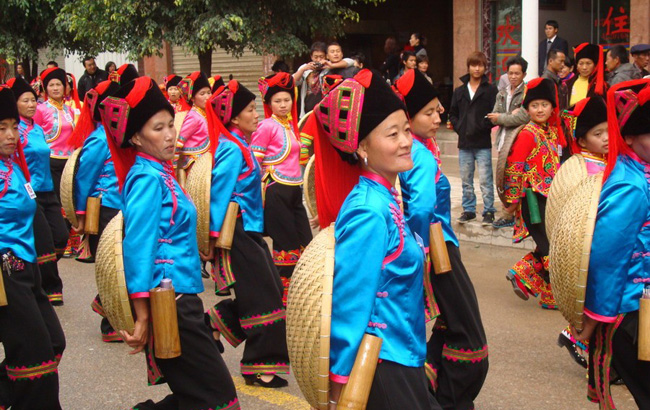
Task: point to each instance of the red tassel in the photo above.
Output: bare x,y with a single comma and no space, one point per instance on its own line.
84,127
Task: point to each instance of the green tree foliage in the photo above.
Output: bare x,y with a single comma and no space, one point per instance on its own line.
282,27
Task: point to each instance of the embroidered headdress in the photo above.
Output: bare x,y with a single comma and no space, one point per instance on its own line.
90,113
594,53
191,85
416,91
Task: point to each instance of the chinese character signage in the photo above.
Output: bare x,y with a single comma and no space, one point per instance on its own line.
507,37
613,23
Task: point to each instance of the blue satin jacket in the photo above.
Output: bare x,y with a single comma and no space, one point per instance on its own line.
378,277
17,216
229,183
619,266
96,173
37,155
426,200
160,231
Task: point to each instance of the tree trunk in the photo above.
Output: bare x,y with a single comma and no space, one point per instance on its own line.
205,62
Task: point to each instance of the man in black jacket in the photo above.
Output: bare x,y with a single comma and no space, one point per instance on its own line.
91,77
470,105
551,42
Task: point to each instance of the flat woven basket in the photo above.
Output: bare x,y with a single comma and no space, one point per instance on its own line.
309,315
197,186
67,186
502,161
570,248
309,187
109,275
570,174
179,117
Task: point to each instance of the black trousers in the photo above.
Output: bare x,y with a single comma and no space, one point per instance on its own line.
537,231
50,239
286,222
33,341
457,349
624,348
56,169
256,315
198,378
397,387
105,216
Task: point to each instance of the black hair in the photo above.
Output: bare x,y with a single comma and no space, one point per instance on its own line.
552,23
419,36
552,54
517,60
87,58
620,52
333,43
52,63
110,63
421,58
318,46
360,58
280,67
406,55
569,61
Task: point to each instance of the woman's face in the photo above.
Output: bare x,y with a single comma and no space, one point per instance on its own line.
426,122
585,67
55,89
26,105
388,146
246,120
8,136
157,137
566,70
202,97
640,144
423,66
111,68
174,94
281,103
540,111
414,41
596,140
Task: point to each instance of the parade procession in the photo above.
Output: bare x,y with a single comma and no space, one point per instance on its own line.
272,206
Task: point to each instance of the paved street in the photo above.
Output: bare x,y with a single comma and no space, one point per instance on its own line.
527,369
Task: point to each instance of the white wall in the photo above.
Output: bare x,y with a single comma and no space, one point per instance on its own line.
74,64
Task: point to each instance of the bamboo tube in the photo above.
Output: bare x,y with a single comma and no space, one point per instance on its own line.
167,343
533,206
438,249
224,240
357,390
3,293
644,329
93,206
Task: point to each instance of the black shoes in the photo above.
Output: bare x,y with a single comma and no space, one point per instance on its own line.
276,381
466,217
503,223
488,219
565,342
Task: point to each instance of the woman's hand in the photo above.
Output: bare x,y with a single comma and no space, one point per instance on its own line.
209,257
589,325
138,340
81,220
335,394
314,222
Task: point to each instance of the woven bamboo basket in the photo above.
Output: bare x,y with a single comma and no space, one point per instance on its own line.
309,187
179,117
109,275
67,186
309,314
570,248
502,161
570,174
197,186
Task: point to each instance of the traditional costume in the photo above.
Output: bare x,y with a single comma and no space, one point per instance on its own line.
160,242
378,291
581,87
256,315
181,105
29,371
457,351
57,120
95,177
276,146
216,82
618,273
193,139
532,163
124,74
50,230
